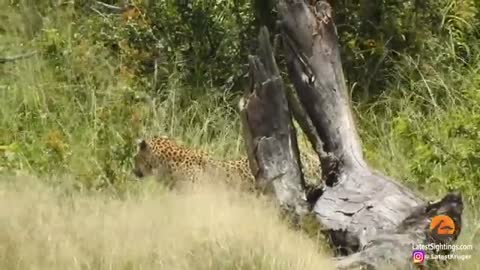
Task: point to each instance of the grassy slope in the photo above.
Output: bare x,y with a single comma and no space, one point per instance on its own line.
74,112
203,227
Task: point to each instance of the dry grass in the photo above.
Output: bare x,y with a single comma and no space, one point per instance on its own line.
200,227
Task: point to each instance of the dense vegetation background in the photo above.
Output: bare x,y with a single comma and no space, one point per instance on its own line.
102,78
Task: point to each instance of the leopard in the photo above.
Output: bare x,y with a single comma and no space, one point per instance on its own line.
164,156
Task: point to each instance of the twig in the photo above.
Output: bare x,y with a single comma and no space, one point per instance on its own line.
7,59
111,7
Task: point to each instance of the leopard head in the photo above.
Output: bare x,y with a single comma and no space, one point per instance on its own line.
145,160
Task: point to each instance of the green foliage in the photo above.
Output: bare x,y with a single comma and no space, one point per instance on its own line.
428,129
76,108
377,34
199,39
103,79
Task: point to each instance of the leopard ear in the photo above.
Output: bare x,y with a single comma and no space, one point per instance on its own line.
142,144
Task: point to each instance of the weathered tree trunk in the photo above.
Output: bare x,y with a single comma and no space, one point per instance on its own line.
355,198
269,134
369,216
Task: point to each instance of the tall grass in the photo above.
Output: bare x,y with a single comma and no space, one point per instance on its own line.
202,227
425,129
73,109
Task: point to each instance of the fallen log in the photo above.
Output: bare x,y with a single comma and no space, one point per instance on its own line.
371,219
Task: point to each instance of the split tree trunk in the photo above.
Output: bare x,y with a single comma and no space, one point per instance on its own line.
368,216
268,130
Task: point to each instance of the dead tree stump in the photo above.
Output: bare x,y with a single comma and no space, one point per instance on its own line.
271,139
371,219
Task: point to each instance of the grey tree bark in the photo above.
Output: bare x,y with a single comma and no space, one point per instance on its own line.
370,218
269,134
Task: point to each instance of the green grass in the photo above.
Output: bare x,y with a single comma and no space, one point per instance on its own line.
425,130
81,117
69,117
